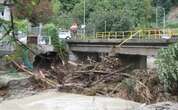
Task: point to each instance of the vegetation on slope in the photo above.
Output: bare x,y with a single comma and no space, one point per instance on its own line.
167,62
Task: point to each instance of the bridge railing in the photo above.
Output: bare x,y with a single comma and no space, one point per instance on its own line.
143,34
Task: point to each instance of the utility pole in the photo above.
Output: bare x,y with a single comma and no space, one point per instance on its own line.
84,15
105,25
156,17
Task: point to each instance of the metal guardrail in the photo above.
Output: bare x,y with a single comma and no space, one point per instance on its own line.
131,36
143,34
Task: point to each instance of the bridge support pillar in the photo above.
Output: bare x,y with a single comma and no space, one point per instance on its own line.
142,62
73,56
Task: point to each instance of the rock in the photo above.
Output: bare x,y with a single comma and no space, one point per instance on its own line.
4,81
20,83
1,99
160,106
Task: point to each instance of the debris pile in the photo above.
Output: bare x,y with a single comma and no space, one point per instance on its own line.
96,72
109,77
137,85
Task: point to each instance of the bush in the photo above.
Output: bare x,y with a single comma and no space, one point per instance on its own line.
167,62
22,25
59,45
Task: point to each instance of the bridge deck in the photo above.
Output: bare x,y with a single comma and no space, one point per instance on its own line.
146,47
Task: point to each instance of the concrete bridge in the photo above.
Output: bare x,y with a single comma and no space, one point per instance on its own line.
135,51
130,46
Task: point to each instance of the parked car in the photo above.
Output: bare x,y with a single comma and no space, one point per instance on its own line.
64,34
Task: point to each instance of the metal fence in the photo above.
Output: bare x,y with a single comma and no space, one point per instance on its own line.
6,46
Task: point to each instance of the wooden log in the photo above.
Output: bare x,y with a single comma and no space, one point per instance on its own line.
46,80
108,75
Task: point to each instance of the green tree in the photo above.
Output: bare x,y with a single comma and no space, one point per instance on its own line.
118,14
167,4
51,31
36,11
62,21
167,62
22,25
56,5
68,5
59,45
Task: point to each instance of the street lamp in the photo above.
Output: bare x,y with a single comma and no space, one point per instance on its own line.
164,18
105,23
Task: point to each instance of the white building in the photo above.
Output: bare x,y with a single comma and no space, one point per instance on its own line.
2,1
5,14
4,11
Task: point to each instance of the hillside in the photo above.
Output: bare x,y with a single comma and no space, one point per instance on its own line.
173,14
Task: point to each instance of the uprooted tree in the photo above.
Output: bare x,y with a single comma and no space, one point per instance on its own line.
167,62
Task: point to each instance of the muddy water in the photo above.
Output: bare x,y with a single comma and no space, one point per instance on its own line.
52,100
